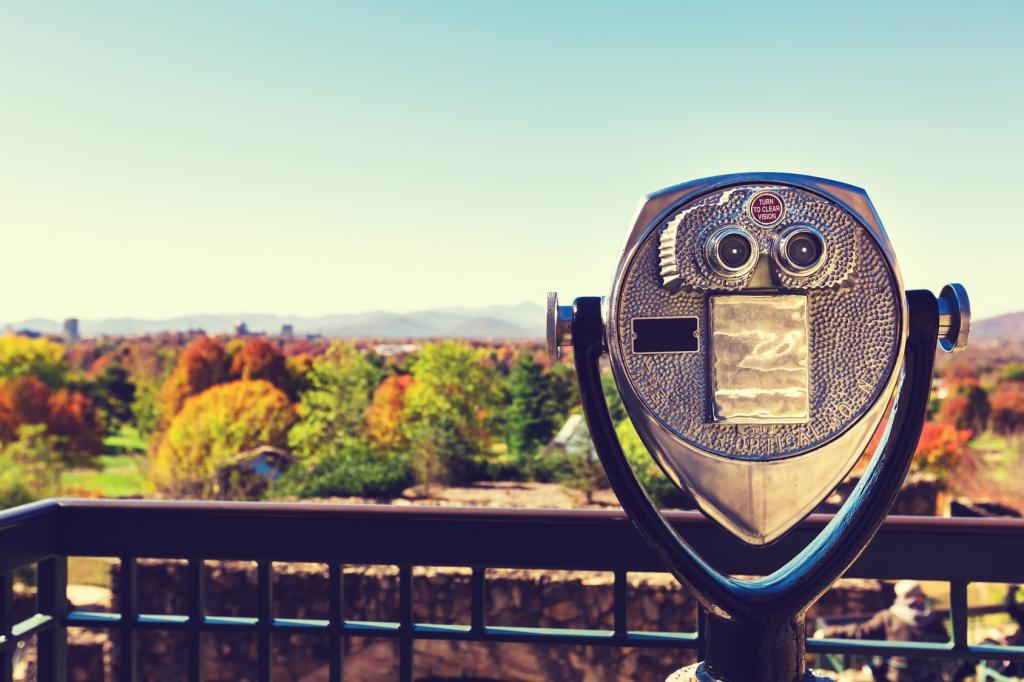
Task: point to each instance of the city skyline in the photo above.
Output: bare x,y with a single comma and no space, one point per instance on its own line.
337,159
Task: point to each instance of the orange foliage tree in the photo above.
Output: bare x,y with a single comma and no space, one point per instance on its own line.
967,408
214,426
940,447
73,419
68,415
382,416
23,400
1007,404
201,365
261,359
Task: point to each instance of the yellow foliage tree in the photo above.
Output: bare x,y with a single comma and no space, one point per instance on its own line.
21,356
214,426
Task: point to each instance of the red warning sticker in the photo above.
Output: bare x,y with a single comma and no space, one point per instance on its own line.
766,208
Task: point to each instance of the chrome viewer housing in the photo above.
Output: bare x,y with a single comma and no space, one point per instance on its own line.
800,346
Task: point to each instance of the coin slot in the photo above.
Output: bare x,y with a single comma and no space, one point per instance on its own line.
665,335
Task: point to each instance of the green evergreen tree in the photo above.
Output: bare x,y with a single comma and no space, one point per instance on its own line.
113,392
532,414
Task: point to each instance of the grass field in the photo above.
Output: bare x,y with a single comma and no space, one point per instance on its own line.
1001,455
117,476
124,441
120,470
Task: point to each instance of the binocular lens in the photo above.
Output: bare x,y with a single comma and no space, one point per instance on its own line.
734,251
801,251
731,252
804,250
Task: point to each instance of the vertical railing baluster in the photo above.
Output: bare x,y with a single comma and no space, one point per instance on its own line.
336,603
6,622
52,595
701,643
127,599
265,603
619,603
196,616
405,634
958,613
477,599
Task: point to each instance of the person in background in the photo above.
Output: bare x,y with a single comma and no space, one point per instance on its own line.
1010,635
909,619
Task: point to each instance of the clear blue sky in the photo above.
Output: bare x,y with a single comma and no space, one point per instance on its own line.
306,158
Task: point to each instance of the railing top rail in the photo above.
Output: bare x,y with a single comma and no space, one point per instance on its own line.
16,516
894,523
935,548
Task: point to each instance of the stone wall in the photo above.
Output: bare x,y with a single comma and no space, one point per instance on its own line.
555,599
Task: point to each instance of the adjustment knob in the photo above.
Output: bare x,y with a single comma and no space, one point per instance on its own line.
954,318
559,327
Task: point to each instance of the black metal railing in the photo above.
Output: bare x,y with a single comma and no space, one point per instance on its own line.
957,551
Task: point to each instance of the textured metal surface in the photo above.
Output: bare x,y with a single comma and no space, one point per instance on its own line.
551,327
558,327
854,309
758,480
759,359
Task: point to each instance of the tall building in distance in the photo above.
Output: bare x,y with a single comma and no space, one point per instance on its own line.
71,329
287,332
241,329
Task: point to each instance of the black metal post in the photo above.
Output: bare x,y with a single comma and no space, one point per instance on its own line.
6,623
767,650
265,611
52,643
755,628
127,597
196,615
337,618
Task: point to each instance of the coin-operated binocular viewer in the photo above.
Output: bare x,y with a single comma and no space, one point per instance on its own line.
761,340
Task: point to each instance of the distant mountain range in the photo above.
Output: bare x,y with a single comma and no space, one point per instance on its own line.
522,321
1007,327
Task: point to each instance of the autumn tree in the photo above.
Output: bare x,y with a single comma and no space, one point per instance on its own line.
939,448
446,410
1013,371
203,363
23,400
77,425
214,426
382,417
1007,404
146,359
68,416
341,383
259,358
966,408
21,356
